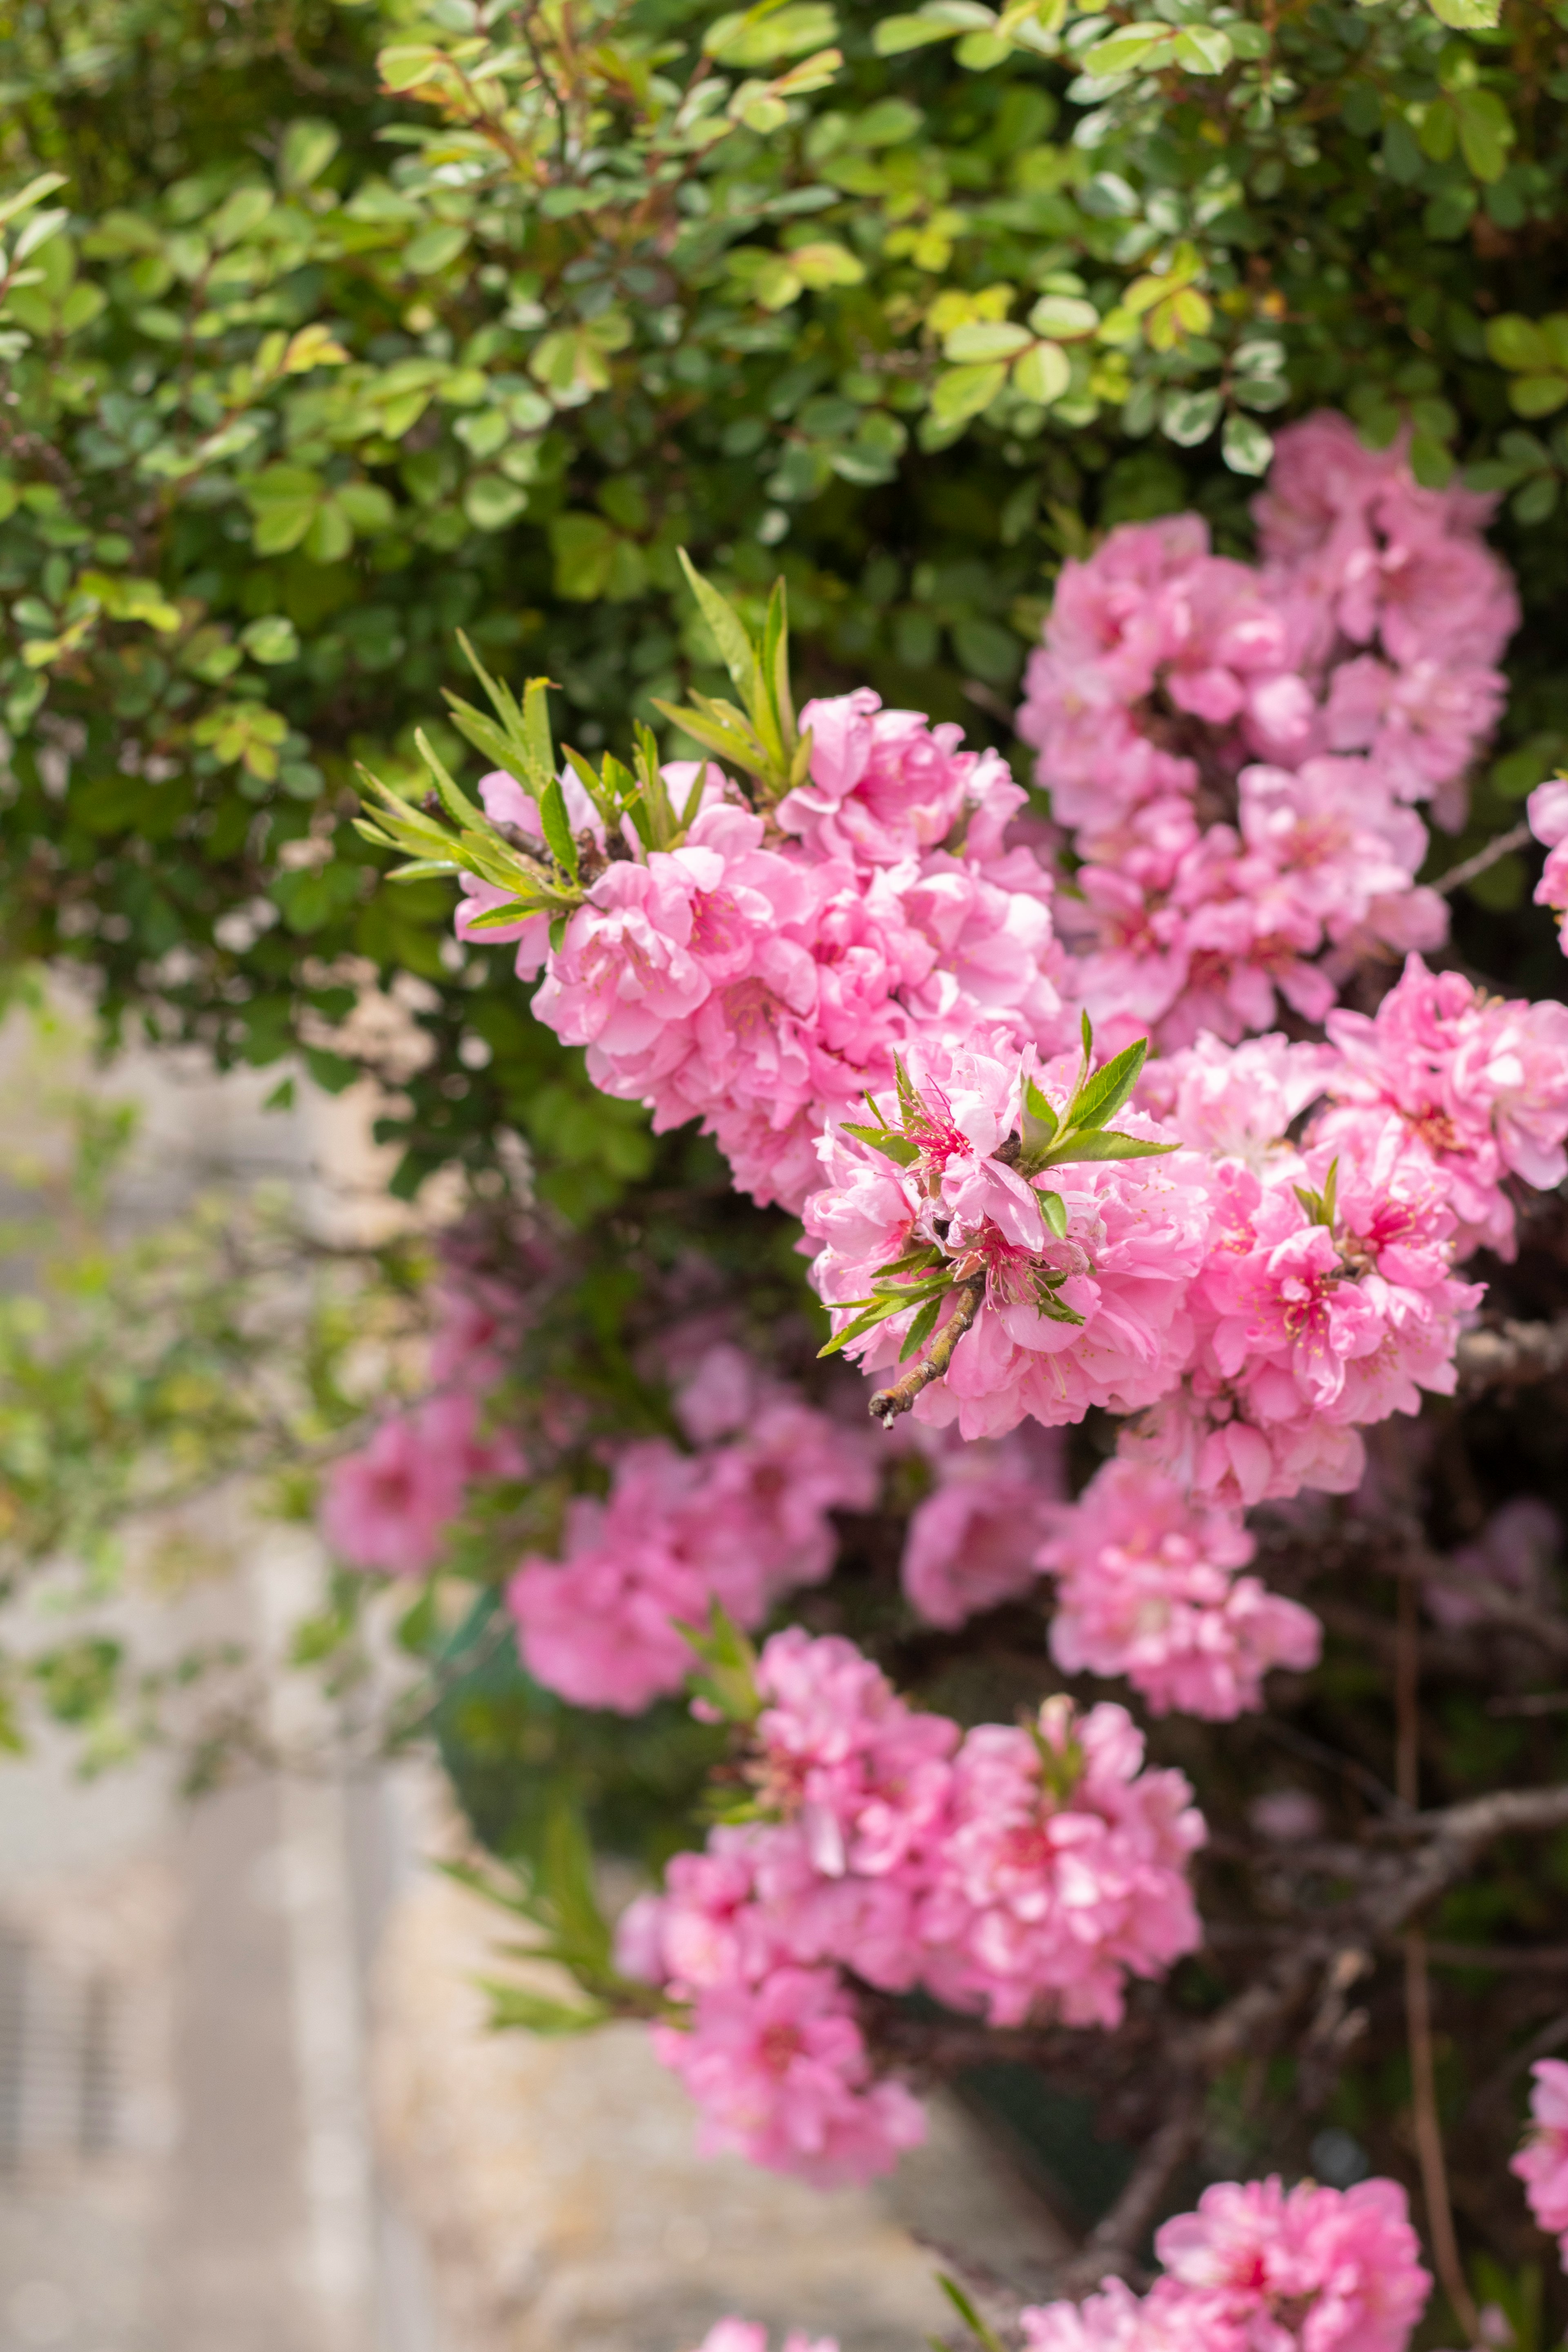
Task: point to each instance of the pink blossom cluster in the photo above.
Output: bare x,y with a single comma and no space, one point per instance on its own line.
739,1519
1547,811
761,975
1235,750
974,1541
1474,1087
1146,1587
1133,1236
1008,1872
389,1505
1543,2162
1258,2268
1256,1300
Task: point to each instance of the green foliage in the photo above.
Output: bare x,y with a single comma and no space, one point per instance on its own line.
478,335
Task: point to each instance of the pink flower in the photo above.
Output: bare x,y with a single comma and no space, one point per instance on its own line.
1543,2162
1547,811
756,1522
600,1627
738,1522
1325,2270
1146,1589
1479,1084
389,1506
1063,1870
972,1543
747,2335
780,2075
1114,2320
1136,1232
1235,1101
886,785
866,1775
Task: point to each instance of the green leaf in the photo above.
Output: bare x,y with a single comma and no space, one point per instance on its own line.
1537,395
1039,1123
1053,1208
728,632
968,2314
920,1329
986,339
1246,445
309,146
1202,48
963,392
883,1138
1466,15
513,2009
1189,417
1102,1146
1043,375
762,36
1127,49
1102,1096
556,827
1486,131
1064,318
32,193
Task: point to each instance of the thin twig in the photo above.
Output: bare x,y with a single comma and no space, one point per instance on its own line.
888,1404
1468,867
1112,2244
1548,1960
1418,1994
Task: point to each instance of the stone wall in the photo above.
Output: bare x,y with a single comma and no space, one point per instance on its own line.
557,2189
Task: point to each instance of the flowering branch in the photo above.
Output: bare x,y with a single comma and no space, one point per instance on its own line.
888,1404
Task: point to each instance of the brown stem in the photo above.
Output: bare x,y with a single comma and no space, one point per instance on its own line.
1468,867
888,1404
1418,1991
1112,2244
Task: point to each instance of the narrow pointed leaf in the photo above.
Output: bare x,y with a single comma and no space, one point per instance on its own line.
920,1329
1053,1208
727,629
739,751
884,1140
457,805
536,736
1098,1145
556,827
967,2312
1103,1094
775,663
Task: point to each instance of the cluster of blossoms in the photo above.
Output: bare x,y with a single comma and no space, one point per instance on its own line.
1146,1587
389,1505
975,1540
739,1519
1256,1300
1007,1872
1258,2268
762,974
1235,751
1543,2162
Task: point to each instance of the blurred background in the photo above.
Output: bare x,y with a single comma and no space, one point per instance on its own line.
249,2101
